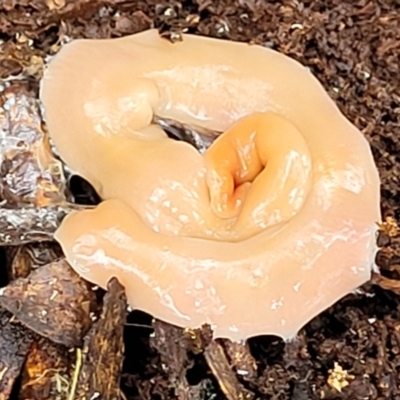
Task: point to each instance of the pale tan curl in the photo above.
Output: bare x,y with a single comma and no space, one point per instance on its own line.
271,226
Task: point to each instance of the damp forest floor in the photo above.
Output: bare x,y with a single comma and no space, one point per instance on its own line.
351,351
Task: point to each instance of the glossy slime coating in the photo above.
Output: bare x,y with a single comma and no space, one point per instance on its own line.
273,224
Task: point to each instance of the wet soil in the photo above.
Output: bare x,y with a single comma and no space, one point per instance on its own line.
351,351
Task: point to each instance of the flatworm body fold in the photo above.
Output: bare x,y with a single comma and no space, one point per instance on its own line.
272,225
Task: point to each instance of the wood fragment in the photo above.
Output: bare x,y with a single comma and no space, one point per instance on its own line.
241,359
102,355
172,344
45,375
221,369
53,302
177,347
15,343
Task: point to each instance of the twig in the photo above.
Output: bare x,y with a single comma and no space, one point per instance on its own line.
78,366
219,365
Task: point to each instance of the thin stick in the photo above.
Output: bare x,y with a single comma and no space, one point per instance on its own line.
78,366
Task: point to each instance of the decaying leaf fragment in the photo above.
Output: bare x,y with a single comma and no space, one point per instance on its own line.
33,194
29,174
23,259
20,59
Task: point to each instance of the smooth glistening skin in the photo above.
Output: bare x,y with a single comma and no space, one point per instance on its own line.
273,224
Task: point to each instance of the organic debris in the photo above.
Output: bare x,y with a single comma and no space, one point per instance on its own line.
29,173
53,302
353,49
45,375
339,378
24,259
102,356
226,378
15,343
33,193
389,227
177,349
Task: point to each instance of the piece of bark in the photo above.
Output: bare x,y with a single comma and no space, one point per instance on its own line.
174,346
220,367
15,343
45,375
241,359
102,356
53,302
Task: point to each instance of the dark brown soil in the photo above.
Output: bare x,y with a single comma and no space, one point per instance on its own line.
353,47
